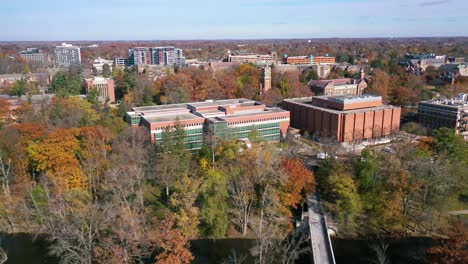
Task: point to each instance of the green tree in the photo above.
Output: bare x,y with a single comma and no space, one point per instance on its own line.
20,88
309,75
284,86
67,83
446,142
214,205
341,198
106,72
93,97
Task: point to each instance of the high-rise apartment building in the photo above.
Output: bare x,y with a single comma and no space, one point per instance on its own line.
34,55
67,55
165,56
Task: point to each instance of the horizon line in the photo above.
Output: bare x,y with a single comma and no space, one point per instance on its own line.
234,39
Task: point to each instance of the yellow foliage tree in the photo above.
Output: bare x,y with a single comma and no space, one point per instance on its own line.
56,156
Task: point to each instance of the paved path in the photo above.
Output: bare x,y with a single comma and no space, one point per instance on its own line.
321,246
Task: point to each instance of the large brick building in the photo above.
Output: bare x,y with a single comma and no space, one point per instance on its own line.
228,119
346,119
451,113
308,60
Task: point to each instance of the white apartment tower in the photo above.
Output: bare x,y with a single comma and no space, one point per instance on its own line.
67,55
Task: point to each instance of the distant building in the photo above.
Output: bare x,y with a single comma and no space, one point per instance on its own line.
454,70
213,119
261,59
344,86
67,55
308,60
98,63
124,62
165,56
451,113
345,119
418,63
322,70
34,55
104,86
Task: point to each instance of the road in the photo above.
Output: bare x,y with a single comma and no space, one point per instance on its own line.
322,251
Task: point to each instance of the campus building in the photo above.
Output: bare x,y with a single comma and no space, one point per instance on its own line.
451,113
165,56
308,60
344,86
34,55
345,119
99,63
67,55
259,59
104,86
212,119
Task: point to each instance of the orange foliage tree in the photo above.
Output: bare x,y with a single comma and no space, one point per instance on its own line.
57,157
300,182
173,244
454,249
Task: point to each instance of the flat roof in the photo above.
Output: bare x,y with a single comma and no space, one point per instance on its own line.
350,99
170,117
307,102
446,103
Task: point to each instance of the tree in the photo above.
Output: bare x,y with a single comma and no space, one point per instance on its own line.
451,250
379,84
214,205
106,72
308,75
19,88
182,202
170,157
299,184
57,158
446,142
4,110
341,197
174,247
72,112
66,83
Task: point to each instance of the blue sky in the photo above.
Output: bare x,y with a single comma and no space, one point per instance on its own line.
233,19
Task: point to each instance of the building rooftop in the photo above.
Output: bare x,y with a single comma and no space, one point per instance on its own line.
458,102
220,110
345,101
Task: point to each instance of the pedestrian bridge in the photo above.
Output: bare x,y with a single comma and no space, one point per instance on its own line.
322,249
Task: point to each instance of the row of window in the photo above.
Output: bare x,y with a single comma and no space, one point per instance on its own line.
257,120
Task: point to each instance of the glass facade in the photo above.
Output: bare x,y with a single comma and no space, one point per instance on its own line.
193,138
133,120
267,132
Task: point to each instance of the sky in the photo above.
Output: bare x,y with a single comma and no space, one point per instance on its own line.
43,20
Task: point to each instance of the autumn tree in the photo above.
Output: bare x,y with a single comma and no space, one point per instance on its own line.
71,112
299,184
57,158
453,248
379,84
173,245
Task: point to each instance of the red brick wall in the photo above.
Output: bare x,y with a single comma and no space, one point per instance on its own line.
345,127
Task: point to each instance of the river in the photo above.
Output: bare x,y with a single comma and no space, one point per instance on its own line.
26,249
